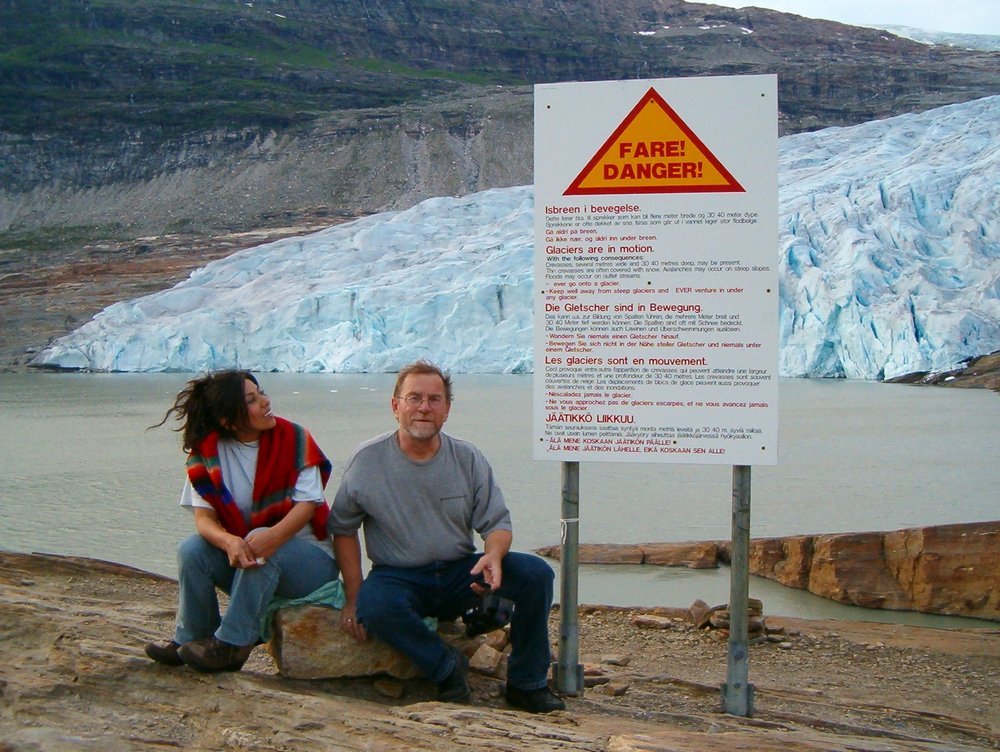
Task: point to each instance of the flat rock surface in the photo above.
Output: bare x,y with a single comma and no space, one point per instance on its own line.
73,676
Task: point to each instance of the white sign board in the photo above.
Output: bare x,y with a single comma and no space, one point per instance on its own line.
656,296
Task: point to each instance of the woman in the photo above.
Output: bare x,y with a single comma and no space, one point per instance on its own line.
255,485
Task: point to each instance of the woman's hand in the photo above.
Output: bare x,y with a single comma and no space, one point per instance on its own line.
263,542
238,551
240,555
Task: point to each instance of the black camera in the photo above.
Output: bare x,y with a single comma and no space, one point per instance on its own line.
490,612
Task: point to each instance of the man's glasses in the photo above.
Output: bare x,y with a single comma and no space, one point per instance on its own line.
416,400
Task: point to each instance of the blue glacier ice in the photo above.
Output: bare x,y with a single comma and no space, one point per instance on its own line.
888,249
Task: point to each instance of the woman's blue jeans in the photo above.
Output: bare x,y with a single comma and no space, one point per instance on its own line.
295,570
393,602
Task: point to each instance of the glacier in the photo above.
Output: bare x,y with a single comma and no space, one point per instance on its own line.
888,263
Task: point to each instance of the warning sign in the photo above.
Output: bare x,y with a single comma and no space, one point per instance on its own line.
656,309
653,151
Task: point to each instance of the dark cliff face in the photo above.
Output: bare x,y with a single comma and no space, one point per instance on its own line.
95,93
166,67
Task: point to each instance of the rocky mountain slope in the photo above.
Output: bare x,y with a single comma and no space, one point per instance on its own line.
141,138
121,118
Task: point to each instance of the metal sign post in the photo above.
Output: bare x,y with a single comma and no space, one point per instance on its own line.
737,692
569,671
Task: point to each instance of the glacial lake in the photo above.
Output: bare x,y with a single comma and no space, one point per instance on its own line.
81,475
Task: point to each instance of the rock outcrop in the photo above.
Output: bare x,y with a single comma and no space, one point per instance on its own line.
308,643
946,569
73,677
693,555
382,104
982,372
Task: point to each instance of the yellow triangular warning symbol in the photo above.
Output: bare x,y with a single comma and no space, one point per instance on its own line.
653,151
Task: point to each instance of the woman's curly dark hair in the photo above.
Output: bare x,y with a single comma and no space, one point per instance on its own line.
210,403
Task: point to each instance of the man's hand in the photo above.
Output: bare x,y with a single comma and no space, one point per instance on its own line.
350,624
490,569
489,566
347,551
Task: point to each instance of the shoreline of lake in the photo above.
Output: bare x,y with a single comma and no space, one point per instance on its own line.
853,457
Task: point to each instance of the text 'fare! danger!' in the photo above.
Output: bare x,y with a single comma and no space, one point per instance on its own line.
653,151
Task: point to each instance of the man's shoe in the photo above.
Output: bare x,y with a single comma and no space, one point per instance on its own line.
534,700
164,652
211,655
455,686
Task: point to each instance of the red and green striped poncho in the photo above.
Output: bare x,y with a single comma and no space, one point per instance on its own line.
284,451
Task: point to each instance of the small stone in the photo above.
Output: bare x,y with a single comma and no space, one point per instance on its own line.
616,660
497,639
308,726
389,688
785,645
719,619
485,660
614,689
700,612
649,621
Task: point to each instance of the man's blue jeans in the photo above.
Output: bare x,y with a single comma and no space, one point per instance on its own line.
393,602
296,569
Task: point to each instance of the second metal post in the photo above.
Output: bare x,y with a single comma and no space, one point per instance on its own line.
569,671
737,692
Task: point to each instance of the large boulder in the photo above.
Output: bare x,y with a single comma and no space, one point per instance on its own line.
308,643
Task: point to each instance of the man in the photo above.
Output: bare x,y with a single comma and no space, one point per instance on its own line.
420,494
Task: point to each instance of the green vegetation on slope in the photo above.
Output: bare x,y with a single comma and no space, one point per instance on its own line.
78,67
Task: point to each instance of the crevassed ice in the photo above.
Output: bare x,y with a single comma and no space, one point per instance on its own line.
888,256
